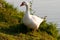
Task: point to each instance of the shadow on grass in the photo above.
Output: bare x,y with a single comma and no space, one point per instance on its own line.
15,29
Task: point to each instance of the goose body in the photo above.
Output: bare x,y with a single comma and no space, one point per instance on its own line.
31,21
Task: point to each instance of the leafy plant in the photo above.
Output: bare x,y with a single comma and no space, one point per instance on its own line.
12,28
50,28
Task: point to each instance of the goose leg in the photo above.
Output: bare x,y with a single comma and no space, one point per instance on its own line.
34,30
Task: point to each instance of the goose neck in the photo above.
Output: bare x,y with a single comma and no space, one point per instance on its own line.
27,10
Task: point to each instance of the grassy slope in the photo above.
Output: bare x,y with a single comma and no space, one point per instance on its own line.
11,27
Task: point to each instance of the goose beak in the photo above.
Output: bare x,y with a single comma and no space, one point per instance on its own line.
22,4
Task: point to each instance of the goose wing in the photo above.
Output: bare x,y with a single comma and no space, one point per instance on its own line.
37,19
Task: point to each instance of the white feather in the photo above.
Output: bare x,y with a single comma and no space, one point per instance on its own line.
31,21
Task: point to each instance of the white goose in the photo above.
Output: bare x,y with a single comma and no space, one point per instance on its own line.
31,21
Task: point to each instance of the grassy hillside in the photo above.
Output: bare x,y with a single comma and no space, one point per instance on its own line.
12,28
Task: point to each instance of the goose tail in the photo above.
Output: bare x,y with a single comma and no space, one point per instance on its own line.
44,17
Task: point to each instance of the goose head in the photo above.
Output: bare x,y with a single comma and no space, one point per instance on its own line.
24,3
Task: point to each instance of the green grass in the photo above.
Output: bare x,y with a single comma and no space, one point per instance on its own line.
12,27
